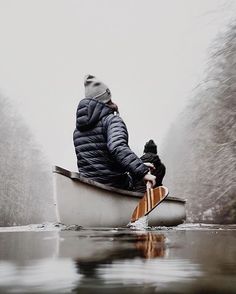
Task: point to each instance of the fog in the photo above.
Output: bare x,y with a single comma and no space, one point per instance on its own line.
150,53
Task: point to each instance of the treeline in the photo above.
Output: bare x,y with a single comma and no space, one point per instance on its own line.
200,149
25,176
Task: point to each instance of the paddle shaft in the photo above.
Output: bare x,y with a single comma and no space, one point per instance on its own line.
148,185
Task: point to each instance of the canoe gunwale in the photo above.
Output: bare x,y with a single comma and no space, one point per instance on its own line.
75,176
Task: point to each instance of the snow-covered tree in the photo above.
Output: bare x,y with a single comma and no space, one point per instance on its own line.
200,149
25,180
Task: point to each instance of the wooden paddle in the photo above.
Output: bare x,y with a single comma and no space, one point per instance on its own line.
150,200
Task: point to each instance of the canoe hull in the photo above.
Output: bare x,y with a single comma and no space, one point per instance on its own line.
89,206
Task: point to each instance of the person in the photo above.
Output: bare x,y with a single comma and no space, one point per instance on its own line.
101,140
158,169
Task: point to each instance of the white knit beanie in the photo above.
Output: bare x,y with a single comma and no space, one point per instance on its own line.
96,89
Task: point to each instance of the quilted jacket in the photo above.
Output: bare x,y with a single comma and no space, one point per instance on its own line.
101,145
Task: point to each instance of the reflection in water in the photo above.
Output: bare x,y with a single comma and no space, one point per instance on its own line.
151,245
137,258
119,260
148,245
39,276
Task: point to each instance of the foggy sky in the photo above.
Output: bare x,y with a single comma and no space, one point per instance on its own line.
150,53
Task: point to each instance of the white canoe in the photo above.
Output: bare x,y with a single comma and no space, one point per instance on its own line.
90,204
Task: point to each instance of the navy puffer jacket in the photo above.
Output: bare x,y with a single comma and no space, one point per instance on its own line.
101,145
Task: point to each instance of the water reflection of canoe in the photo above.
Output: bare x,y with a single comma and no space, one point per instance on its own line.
109,245
87,203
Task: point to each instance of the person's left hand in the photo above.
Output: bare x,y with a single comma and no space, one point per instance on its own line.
150,178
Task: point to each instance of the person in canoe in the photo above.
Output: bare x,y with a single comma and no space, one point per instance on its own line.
150,155
101,140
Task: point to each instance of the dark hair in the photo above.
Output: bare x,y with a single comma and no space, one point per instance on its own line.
113,106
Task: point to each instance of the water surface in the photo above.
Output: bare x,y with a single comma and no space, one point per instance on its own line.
186,259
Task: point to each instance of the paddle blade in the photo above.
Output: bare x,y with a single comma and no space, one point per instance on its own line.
150,200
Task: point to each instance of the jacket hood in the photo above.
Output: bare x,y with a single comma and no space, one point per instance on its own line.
89,112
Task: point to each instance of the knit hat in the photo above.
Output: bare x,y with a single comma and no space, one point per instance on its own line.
150,147
96,89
